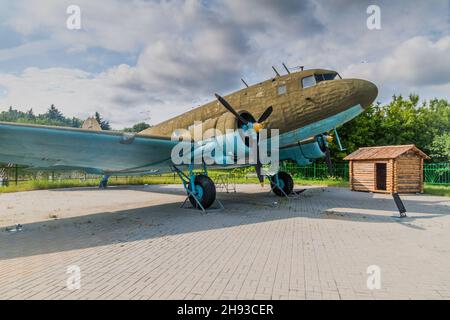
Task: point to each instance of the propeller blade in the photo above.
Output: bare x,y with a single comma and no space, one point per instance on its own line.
265,115
329,162
230,108
258,165
258,169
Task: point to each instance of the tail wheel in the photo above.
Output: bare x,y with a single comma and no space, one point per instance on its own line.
285,182
205,192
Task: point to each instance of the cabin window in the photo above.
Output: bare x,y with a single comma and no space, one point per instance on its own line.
325,77
282,89
308,82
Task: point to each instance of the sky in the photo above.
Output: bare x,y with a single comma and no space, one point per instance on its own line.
139,60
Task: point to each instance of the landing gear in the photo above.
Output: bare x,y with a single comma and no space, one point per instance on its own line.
282,184
203,193
201,190
103,183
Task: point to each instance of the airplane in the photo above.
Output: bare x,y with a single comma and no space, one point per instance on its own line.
303,105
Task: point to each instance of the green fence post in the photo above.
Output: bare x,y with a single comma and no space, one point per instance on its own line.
314,165
437,173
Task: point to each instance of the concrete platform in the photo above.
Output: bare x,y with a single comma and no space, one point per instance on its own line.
136,243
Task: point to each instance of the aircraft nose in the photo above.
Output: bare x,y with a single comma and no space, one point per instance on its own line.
367,92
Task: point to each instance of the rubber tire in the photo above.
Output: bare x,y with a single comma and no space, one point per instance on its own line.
288,184
209,192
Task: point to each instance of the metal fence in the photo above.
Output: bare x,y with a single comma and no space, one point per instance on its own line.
434,173
316,171
14,175
437,173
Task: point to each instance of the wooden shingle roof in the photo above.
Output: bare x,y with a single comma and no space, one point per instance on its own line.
387,152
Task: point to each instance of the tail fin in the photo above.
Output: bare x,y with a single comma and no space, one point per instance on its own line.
91,124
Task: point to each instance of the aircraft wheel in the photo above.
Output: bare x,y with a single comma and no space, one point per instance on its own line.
286,183
205,191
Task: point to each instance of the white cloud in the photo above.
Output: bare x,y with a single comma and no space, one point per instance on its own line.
420,61
26,49
184,51
417,65
69,89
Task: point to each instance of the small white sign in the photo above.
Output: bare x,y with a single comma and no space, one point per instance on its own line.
74,280
374,279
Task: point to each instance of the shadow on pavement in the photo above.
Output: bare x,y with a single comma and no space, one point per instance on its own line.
169,219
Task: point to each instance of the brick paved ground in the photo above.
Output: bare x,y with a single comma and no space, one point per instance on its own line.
136,243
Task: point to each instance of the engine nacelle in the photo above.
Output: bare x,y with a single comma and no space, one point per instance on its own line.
225,122
210,128
233,142
219,138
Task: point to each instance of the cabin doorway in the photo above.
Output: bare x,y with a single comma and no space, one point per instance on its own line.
381,176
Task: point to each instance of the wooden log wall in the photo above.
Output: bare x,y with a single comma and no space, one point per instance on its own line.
363,175
408,174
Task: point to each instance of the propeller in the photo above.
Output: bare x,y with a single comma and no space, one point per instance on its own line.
231,109
262,118
265,115
327,152
257,126
329,162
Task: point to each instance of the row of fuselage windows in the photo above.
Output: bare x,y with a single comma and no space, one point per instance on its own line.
310,81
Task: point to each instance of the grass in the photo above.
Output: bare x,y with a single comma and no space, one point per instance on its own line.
340,183
438,190
72,183
165,179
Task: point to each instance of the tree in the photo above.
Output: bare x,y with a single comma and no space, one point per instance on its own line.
52,117
30,114
138,127
402,121
440,148
103,123
76,123
54,114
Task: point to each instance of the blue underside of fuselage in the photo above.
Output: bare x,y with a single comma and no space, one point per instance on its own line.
305,154
320,127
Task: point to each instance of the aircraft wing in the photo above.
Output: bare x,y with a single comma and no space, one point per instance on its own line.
93,151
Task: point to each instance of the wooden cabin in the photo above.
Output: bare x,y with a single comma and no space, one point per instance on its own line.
390,169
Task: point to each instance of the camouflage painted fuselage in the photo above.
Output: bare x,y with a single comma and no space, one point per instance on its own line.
294,107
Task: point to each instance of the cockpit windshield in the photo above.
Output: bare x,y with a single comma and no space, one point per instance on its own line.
319,77
325,76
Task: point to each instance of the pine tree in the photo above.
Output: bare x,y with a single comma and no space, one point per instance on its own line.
30,114
54,114
103,123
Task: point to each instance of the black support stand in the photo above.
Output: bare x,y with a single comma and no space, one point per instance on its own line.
400,205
